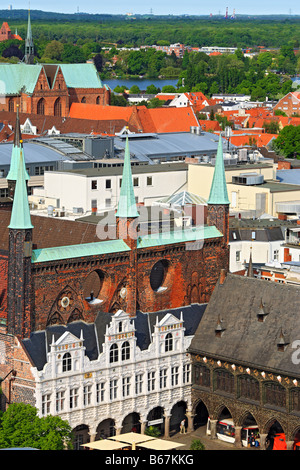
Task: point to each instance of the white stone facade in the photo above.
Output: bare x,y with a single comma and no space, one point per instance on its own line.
123,380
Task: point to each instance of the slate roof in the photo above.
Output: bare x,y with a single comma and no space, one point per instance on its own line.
39,342
247,341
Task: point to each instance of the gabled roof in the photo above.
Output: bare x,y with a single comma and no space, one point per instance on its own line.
246,340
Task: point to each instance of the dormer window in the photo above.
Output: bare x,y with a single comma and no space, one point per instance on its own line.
168,342
67,362
113,353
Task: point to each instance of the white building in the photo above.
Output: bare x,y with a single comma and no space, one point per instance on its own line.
84,191
116,374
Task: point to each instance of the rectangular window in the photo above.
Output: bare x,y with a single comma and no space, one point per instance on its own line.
113,389
107,184
163,378
125,386
60,401
276,254
138,383
135,181
174,375
87,395
151,381
94,184
107,203
100,392
186,373
237,256
46,402
149,180
74,398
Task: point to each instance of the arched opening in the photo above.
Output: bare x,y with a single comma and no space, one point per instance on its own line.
158,275
11,105
41,106
114,353
275,435
57,107
156,418
98,100
131,423
83,99
201,415
250,433
81,436
125,351
93,287
177,415
106,429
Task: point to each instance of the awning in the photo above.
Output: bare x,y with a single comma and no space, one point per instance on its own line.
160,444
131,437
105,444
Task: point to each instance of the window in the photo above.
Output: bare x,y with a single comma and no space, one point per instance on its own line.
295,400
108,202
100,392
87,395
125,351
113,389
135,181
94,203
138,383
237,256
60,401
157,275
249,388
151,381
57,107
163,378
125,386
73,398
224,381
120,327
276,255
202,375
107,184
149,180
114,353
66,362
41,106
168,342
186,373
253,235
46,402
94,184
174,375
275,394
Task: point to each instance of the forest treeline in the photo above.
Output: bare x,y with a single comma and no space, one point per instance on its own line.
147,31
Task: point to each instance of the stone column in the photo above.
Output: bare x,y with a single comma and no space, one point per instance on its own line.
143,426
238,439
167,426
118,430
213,428
92,436
290,445
263,441
190,417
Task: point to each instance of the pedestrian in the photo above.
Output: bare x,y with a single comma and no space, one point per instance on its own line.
182,427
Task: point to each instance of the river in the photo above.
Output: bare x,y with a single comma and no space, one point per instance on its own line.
142,83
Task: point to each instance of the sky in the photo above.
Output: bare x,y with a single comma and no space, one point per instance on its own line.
165,7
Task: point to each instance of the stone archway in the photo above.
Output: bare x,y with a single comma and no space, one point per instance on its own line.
201,415
156,418
178,413
131,423
106,429
81,436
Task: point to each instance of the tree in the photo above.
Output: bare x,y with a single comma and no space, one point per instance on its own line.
98,62
21,427
54,50
288,142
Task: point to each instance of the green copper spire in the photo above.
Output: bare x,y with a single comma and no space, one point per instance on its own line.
127,205
20,214
29,48
218,190
15,155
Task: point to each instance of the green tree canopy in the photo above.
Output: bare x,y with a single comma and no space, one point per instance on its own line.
20,426
288,142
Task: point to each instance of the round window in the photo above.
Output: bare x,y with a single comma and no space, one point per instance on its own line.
157,275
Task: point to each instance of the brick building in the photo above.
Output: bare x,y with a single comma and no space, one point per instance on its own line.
50,89
57,272
6,34
289,104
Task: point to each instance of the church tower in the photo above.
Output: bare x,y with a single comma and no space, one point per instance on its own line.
20,250
218,202
126,221
29,48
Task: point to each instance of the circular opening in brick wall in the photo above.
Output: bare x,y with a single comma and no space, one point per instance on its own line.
158,275
93,284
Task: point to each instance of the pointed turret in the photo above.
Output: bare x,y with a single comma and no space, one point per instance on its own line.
127,205
218,191
29,48
20,214
218,202
15,158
